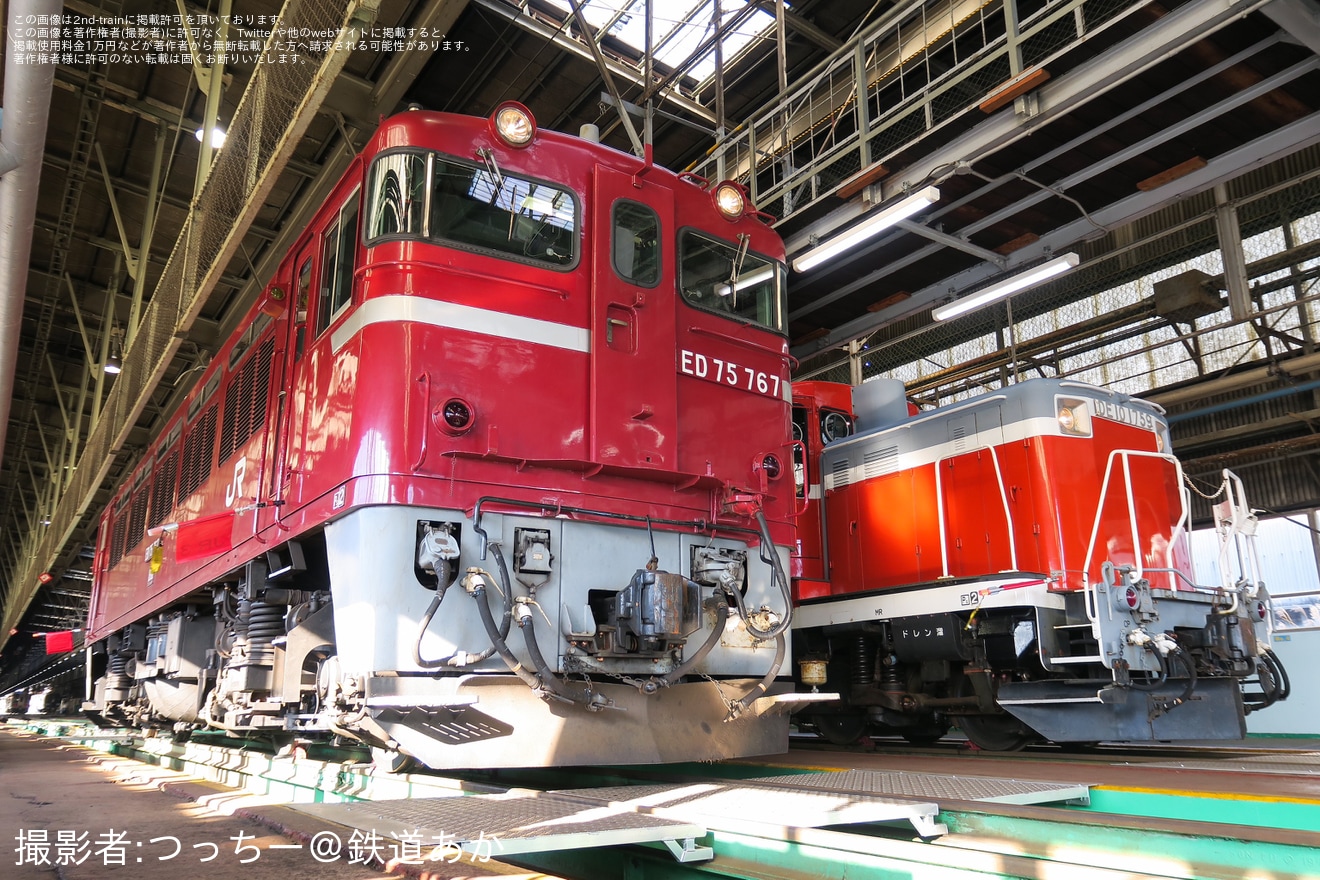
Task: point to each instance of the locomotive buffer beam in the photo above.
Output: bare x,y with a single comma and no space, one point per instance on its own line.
790,703
1086,711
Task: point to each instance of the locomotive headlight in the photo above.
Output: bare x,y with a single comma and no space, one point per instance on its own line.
454,416
1074,416
729,200
514,124
772,466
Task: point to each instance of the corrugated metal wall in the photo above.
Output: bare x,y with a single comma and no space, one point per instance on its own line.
1286,552
1274,484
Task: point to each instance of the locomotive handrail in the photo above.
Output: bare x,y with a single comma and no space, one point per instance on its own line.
1008,516
424,379
1238,505
1095,389
1192,586
800,504
1088,387
558,509
1092,605
939,515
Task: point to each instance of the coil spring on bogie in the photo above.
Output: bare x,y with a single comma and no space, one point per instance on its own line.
265,623
116,673
862,660
890,679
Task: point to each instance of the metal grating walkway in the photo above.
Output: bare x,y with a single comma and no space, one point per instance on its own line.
678,814
732,805
938,786
507,824
1291,765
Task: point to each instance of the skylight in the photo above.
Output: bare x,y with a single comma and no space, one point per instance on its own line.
680,27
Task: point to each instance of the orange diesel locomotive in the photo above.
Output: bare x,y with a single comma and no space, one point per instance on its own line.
1017,564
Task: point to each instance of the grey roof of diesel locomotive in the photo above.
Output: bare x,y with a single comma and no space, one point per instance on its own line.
965,426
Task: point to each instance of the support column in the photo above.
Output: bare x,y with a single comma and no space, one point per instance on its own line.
213,86
144,245
855,376
1235,263
720,125
1026,105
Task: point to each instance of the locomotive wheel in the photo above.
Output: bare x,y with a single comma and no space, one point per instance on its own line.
841,730
996,733
391,762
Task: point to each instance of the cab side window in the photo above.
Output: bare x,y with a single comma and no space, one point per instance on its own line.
304,292
635,243
338,259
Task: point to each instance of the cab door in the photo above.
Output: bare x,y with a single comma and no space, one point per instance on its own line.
634,385
296,403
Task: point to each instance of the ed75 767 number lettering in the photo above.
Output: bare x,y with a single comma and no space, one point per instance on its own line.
724,372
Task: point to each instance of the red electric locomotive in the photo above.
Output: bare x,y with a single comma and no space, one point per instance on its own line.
1018,565
507,380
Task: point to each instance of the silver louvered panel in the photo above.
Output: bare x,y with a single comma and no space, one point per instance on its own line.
879,462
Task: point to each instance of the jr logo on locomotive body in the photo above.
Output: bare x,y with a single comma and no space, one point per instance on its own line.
234,490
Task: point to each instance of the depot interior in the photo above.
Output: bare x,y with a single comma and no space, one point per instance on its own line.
1163,156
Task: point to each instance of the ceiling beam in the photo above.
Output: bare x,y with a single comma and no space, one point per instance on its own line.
1153,44
1300,18
826,41
1281,142
1055,190
568,44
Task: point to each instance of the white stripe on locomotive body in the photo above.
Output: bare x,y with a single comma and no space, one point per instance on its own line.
947,598
438,313
487,322
924,439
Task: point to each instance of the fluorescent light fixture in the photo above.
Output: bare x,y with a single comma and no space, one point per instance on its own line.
758,276
872,226
1007,287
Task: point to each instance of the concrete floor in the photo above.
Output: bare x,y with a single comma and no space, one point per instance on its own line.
75,814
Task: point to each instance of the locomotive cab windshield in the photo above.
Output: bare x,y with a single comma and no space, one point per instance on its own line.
471,205
722,277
